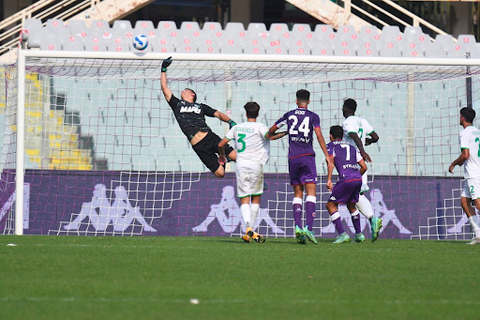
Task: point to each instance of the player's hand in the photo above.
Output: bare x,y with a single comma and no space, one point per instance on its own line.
222,159
368,141
450,168
231,123
329,185
366,156
167,62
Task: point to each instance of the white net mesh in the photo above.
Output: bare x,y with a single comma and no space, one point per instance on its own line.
101,129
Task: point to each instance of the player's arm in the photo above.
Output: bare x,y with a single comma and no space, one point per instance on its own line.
359,144
363,166
163,79
460,160
275,136
329,174
372,138
223,117
272,131
222,158
323,146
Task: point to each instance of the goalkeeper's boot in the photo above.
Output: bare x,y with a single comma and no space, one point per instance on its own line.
359,237
475,240
342,238
255,236
246,237
299,235
309,234
375,226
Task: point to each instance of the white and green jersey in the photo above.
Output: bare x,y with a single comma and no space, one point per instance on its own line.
470,139
250,142
358,125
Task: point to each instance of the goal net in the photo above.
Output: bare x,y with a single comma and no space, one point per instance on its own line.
91,147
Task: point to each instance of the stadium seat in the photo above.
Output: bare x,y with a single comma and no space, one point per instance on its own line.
435,50
95,43
346,32
456,50
390,33
79,29
468,41
208,44
189,27
163,44
57,27
297,46
367,49
73,44
411,32
276,48
32,32
367,33
49,42
343,47
390,49
212,28
166,28
279,31
444,39
186,45
324,31
254,47
117,45
235,32
122,27
98,27
257,29
301,31
231,45
146,28
322,48
412,49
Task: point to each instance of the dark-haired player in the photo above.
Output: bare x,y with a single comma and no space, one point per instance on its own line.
359,133
470,146
346,159
252,142
190,116
301,124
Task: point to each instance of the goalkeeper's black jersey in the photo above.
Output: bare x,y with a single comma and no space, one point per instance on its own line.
191,116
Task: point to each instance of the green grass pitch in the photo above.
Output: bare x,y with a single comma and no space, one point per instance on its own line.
48,277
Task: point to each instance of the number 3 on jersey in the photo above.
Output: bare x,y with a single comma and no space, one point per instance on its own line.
240,140
304,126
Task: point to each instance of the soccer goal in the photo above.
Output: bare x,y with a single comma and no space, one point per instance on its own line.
92,148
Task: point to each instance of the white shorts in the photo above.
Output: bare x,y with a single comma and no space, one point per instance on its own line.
249,178
471,188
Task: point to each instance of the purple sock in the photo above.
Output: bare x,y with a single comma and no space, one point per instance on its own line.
338,225
297,214
356,223
310,211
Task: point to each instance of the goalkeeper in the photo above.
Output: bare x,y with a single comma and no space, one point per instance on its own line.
190,116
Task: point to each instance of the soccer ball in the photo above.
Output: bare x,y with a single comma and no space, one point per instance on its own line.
140,42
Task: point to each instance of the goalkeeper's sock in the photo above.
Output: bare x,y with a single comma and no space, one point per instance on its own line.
310,211
337,222
356,221
297,211
245,209
474,225
365,206
254,208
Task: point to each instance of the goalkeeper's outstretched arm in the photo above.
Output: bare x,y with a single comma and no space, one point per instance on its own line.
163,79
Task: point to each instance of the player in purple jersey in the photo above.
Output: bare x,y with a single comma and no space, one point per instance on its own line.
190,116
347,189
301,124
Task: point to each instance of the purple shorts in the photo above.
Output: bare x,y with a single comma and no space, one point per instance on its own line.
303,170
346,191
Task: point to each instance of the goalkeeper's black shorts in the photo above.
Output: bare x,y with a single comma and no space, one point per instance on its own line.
207,150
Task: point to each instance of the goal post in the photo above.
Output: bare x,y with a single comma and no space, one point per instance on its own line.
95,127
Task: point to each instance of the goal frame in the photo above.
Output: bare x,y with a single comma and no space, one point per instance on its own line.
24,54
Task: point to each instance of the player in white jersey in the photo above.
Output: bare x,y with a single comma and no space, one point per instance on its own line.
470,158
252,142
359,133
